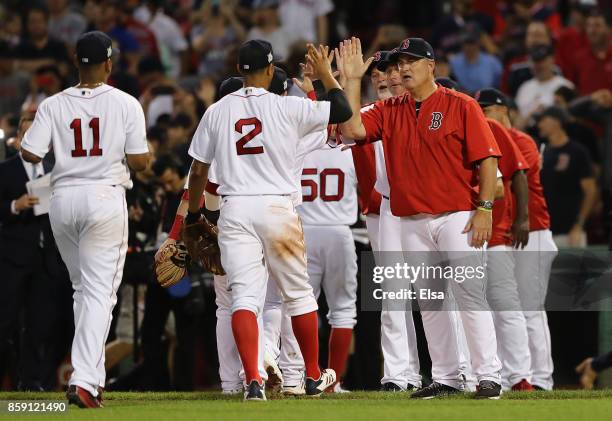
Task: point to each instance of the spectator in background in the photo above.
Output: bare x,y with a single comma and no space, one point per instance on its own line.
216,33
567,179
46,82
10,28
35,282
447,33
157,89
539,92
38,48
306,19
597,108
157,137
170,39
577,130
107,20
14,85
591,67
159,301
518,70
179,138
590,368
443,68
147,43
268,28
474,69
387,38
64,24
120,78
573,37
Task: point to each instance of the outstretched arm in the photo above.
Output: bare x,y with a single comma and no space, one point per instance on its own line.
352,65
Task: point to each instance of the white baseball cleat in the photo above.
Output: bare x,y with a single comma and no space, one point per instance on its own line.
232,391
298,390
275,377
317,387
339,389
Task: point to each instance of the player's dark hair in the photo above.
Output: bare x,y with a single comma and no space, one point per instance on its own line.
168,162
50,68
38,8
567,93
596,13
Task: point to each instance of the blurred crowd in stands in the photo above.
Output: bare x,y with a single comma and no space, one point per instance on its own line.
553,58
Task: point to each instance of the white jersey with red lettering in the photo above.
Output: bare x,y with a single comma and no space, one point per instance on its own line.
253,134
329,188
310,143
91,131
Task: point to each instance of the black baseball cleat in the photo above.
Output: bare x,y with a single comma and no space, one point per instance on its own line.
411,388
255,392
488,389
391,387
316,387
434,390
82,398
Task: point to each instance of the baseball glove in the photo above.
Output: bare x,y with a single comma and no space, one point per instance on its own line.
171,264
201,241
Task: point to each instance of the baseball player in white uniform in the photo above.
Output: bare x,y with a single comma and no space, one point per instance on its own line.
94,130
329,208
258,226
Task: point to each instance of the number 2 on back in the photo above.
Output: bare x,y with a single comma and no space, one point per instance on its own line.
241,149
78,150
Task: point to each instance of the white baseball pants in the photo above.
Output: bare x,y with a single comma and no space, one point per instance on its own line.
397,333
261,234
442,234
532,270
90,225
230,366
510,324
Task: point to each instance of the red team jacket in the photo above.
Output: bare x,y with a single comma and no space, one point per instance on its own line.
539,219
510,162
430,158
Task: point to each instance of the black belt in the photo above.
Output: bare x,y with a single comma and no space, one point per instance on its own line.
384,196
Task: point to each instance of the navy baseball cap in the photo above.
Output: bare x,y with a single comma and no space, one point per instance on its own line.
415,47
448,83
229,85
378,57
386,61
279,83
490,96
94,47
255,54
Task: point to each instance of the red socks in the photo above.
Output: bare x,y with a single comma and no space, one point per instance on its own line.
305,329
339,344
246,335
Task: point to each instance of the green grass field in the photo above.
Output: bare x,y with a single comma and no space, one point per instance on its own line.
370,406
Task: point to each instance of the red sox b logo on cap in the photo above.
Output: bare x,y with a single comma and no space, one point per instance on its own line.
377,56
436,120
405,44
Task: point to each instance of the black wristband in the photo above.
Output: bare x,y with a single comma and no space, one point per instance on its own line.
192,217
211,216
